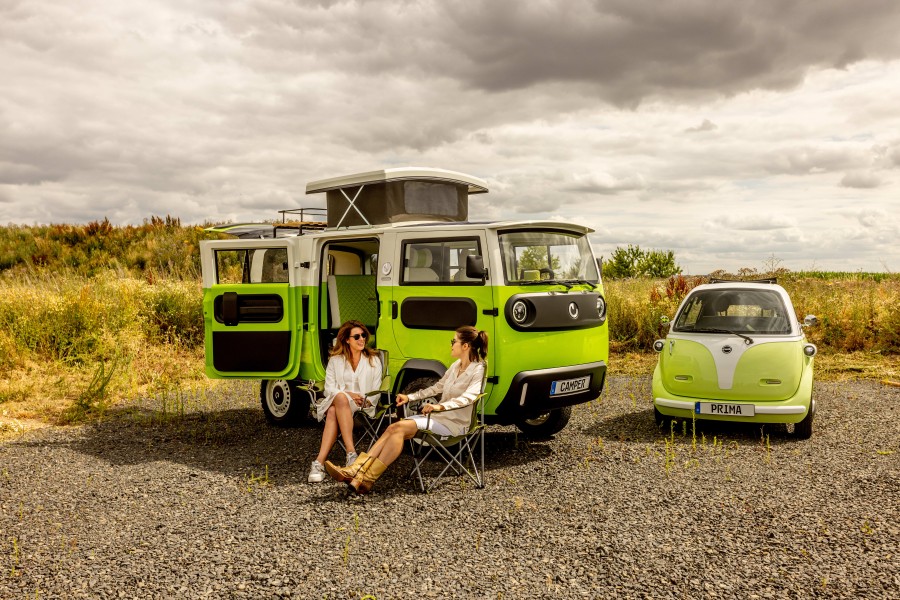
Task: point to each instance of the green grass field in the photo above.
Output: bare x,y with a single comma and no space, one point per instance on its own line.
91,315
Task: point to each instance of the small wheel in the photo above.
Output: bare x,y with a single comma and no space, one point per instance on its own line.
546,424
661,419
803,430
283,402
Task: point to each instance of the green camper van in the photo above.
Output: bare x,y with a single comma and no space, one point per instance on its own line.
397,252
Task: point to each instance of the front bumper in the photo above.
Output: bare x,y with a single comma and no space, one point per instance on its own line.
529,393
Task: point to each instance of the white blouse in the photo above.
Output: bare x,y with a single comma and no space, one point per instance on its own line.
341,377
455,390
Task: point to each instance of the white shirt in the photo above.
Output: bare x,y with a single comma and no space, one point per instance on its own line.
455,390
340,376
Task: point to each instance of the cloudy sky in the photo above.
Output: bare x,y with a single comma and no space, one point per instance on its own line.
732,132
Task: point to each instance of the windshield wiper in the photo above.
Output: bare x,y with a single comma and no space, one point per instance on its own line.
593,286
746,338
545,282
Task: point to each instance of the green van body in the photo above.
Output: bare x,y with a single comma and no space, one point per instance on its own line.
736,352
272,308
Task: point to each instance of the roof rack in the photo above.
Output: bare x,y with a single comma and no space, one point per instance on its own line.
765,280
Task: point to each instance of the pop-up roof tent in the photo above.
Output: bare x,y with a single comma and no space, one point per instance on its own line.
397,195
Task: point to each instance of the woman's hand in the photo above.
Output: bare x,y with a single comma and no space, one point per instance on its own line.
402,399
431,407
359,399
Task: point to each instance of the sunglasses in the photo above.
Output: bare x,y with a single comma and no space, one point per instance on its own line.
356,336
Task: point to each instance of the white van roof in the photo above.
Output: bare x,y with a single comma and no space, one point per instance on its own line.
474,184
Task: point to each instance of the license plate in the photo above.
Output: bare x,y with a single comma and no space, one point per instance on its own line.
570,386
725,409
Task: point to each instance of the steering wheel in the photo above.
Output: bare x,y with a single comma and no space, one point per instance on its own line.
548,272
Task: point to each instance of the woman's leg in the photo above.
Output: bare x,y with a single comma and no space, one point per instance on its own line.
390,444
344,415
329,434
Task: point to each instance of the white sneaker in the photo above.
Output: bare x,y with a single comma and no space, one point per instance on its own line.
316,472
351,458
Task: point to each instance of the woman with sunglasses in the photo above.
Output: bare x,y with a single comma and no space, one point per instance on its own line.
353,370
458,388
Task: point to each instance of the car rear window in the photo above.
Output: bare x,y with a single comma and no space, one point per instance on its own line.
740,310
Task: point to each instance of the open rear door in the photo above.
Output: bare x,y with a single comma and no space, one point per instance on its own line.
250,312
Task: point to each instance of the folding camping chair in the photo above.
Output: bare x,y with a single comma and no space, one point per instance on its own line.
381,398
458,452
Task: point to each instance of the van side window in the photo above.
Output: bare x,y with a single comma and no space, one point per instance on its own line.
254,265
438,262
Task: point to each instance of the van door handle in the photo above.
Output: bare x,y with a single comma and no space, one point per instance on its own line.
393,309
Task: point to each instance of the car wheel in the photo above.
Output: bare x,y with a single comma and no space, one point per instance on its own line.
803,430
283,403
546,424
661,419
412,408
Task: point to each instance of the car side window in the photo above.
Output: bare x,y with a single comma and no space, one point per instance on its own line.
438,262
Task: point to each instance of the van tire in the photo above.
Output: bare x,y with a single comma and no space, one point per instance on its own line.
415,385
545,425
283,403
803,430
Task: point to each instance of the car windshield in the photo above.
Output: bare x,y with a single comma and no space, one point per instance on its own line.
547,256
734,310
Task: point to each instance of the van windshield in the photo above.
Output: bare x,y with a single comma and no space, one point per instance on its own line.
735,310
547,256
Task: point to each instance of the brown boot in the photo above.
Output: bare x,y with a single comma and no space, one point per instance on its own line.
367,476
347,473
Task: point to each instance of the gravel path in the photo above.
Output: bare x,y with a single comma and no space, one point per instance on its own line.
213,503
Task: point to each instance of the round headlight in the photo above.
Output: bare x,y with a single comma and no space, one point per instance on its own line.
810,349
601,307
658,345
519,312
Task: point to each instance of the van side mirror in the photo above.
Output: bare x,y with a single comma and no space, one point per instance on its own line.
475,267
810,321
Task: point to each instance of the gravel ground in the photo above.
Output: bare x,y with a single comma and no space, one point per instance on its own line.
174,499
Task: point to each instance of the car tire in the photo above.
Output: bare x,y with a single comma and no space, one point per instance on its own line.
662,420
804,429
414,386
547,424
283,402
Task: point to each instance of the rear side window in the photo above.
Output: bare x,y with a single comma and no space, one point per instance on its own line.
441,262
744,311
253,265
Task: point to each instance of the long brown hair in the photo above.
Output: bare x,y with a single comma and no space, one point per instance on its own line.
342,347
477,341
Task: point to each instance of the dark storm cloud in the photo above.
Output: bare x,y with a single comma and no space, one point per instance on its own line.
621,51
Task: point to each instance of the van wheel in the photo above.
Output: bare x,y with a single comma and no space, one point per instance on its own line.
803,430
414,386
546,424
283,402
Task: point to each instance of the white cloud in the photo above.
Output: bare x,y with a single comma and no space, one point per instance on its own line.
861,180
648,123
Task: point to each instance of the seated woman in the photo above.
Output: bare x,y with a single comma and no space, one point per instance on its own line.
347,377
459,387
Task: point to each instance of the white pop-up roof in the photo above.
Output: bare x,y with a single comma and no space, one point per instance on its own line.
397,195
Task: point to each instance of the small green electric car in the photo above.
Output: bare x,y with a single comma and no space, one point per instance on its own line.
736,352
